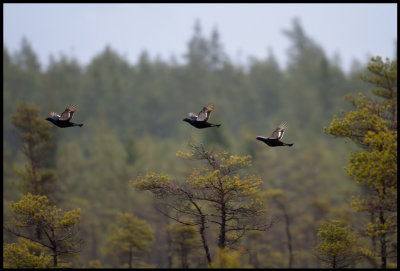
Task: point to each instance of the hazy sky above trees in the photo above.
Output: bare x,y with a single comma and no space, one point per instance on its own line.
351,31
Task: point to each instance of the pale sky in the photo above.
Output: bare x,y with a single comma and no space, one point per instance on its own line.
353,31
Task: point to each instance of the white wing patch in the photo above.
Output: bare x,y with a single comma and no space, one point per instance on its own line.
192,115
54,115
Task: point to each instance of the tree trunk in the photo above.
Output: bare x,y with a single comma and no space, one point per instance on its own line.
94,242
169,241
289,237
130,258
203,239
55,257
202,230
383,240
52,240
184,262
33,167
222,232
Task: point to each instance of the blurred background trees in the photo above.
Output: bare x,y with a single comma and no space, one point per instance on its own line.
128,239
336,246
133,125
185,244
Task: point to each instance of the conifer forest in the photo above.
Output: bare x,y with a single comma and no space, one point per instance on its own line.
137,187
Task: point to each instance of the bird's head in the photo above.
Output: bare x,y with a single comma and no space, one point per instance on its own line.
260,138
186,119
48,118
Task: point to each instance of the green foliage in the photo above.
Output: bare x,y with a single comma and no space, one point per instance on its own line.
133,118
130,236
34,131
227,259
185,243
9,178
371,114
357,123
25,254
220,179
33,210
383,74
336,245
64,80
215,194
35,136
373,124
131,232
36,220
277,197
95,264
27,59
378,166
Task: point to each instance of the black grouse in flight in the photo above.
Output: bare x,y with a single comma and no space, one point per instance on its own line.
274,139
200,121
63,121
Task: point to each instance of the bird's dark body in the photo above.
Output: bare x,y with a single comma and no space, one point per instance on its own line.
273,142
63,123
201,124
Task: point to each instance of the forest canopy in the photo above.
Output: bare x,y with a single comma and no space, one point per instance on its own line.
132,115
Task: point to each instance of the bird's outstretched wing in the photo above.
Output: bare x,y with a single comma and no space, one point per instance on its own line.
193,116
278,133
68,113
204,114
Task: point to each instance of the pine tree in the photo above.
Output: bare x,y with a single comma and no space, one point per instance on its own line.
57,228
277,197
373,126
25,254
130,237
185,242
35,136
215,194
336,245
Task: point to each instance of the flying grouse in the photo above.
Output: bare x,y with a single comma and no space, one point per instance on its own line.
200,121
63,121
274,139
